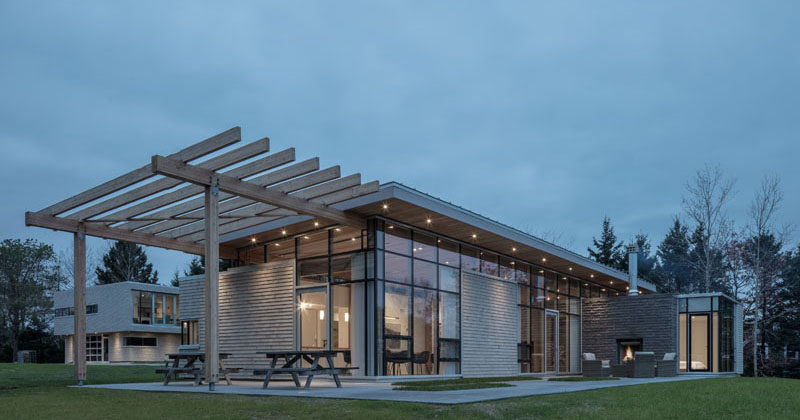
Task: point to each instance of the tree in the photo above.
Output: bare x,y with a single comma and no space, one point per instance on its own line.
126,261
195,267
646,263
706,266
763,255
706,196
674,274
607,250
29,274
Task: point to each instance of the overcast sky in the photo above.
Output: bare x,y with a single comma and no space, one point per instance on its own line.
544,116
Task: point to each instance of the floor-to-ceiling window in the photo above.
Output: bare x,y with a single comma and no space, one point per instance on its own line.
332,267
419,307
705,333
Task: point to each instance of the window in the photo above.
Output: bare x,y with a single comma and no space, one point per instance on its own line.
90,309
94,348
154,308
140,341
189,332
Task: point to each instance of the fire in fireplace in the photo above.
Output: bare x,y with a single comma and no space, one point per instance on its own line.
627,347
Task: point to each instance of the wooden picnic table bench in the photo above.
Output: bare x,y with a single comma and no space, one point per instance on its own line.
173,367
292,359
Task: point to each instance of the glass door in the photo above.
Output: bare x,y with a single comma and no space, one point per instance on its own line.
699,343
313,318
551,341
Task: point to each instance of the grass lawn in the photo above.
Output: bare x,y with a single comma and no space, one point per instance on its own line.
460,383
38,391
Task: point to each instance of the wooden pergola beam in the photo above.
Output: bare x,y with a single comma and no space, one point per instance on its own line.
216,163
194,174
192,152
194,207
181,228
102,231
188,191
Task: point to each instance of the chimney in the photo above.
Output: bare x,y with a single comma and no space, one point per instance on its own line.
633,270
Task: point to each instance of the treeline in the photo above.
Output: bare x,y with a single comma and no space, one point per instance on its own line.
31,272
708,251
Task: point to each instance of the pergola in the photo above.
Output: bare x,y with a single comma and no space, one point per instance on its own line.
186,200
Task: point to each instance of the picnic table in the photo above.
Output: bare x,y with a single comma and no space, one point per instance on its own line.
173,366
292,361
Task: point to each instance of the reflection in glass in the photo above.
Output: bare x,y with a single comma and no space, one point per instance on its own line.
424,333
424,274
311,306
397,268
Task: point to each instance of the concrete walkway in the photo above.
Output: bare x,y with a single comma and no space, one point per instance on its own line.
324,388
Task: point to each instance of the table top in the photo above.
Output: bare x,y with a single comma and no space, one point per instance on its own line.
299,352
192,354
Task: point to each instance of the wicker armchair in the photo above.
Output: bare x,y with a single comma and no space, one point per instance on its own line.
644,364
593,367
668,366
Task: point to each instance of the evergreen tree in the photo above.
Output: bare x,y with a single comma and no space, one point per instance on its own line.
607,250
646,263
196,266
673,255
126,261
787,324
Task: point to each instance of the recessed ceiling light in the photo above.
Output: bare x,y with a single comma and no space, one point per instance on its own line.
283,232
570,269
591,275
253,239
428,221
338,230
513,248
474,236
305,237
544,259
386,207
316,224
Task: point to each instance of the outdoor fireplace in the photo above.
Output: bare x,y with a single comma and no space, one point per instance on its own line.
627,347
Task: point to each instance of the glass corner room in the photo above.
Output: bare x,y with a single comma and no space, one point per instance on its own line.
705,333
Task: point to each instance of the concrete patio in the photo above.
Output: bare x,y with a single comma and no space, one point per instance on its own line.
325,388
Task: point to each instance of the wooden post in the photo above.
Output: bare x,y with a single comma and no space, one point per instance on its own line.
212,285
79,295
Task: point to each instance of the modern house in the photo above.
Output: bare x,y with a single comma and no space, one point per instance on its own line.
125,322
395,280
429,288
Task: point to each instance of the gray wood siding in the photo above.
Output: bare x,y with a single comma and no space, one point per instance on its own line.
256,310
490,326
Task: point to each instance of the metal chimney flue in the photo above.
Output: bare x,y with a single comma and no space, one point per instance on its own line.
633,270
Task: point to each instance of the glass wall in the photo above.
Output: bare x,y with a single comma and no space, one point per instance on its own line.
419,278
332,267
154,308
705,332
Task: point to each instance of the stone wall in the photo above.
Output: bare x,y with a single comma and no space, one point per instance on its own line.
652,318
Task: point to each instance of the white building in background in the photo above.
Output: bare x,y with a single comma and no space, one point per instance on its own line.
125,322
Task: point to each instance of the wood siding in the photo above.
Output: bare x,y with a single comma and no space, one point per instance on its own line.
490,326
256,311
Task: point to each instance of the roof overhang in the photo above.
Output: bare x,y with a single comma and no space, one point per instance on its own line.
412,207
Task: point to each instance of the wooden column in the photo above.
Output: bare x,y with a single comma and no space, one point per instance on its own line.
79,294
212,285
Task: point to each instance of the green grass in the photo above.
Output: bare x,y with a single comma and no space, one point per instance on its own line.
45,396
460,383
582,378
15,375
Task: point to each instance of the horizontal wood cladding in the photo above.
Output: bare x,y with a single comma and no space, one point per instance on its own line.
256,310
490,326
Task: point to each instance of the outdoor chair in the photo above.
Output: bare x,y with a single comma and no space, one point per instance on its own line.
594,367
422,358
668,366
644,364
